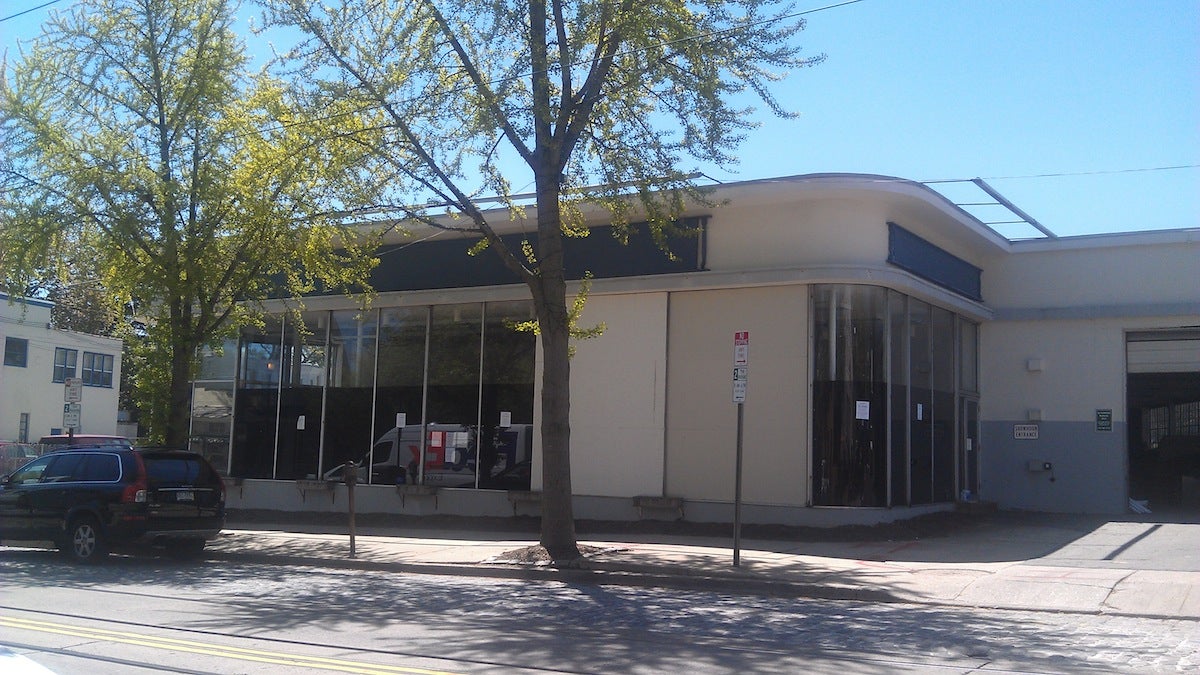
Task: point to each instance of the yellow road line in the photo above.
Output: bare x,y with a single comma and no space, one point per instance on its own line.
210,649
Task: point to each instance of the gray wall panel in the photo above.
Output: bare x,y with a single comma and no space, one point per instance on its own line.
1088,475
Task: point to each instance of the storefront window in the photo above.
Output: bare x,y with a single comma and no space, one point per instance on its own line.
211,427
849,396
884,376
300,396
412,392
212,422
898,396
399,393
507,393
943,423
348,401
260,361
452,395
920,408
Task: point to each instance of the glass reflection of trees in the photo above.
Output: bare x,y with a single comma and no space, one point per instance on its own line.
349,373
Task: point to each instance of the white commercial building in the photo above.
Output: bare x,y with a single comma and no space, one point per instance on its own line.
38,362
902,356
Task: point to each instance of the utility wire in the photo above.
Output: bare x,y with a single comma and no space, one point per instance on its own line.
1060,174
31,9
1098,173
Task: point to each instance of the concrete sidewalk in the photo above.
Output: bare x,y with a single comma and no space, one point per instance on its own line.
1015,561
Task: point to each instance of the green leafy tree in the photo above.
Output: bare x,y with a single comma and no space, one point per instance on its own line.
614,93
134,137
81,304
84,308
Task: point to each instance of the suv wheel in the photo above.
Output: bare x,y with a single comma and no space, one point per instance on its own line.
85,542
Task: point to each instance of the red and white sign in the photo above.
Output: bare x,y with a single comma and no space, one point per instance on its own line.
741,362
741,348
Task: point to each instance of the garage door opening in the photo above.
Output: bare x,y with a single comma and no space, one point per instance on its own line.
1163,396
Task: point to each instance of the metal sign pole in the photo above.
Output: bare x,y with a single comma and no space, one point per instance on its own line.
350,476
741,362
737,494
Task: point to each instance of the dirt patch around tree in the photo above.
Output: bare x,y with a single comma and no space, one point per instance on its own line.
538,555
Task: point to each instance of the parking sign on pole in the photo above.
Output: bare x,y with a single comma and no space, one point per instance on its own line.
71,414
73,389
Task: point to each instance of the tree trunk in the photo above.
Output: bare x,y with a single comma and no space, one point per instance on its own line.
558,519
178,417
550,302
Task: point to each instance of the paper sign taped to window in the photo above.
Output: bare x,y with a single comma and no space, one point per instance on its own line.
862,410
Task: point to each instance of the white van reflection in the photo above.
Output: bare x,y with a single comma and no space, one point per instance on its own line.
451,457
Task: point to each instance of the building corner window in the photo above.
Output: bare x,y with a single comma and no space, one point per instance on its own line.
16,352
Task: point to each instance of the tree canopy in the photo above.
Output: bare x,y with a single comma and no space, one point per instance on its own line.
135,138
602,102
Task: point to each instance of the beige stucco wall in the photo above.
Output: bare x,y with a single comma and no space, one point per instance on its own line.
1082,361
1089,276
701,415
822,231
818,230
618,391
1083,368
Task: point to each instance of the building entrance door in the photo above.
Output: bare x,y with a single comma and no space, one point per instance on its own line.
1163,398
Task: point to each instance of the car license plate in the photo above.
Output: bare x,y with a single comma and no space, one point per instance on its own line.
185,496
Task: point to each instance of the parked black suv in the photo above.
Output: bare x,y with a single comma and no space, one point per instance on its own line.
89,500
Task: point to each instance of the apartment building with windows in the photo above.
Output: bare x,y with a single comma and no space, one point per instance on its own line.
38,361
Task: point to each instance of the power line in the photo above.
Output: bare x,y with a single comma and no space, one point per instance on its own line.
1064,174
1099,173
31,9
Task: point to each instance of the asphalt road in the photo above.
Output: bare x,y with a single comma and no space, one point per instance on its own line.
221,617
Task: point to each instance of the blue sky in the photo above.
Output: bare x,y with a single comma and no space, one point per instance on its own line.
1072,109
938,89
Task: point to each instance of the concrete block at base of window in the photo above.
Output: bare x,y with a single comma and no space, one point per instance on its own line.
529,501
407,490
310,485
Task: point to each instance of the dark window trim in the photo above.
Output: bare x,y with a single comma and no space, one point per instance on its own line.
447,263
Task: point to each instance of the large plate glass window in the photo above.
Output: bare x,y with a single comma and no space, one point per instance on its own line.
944,429
260,362
850,452
399,394
300,395
348,400
506,391
452,395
